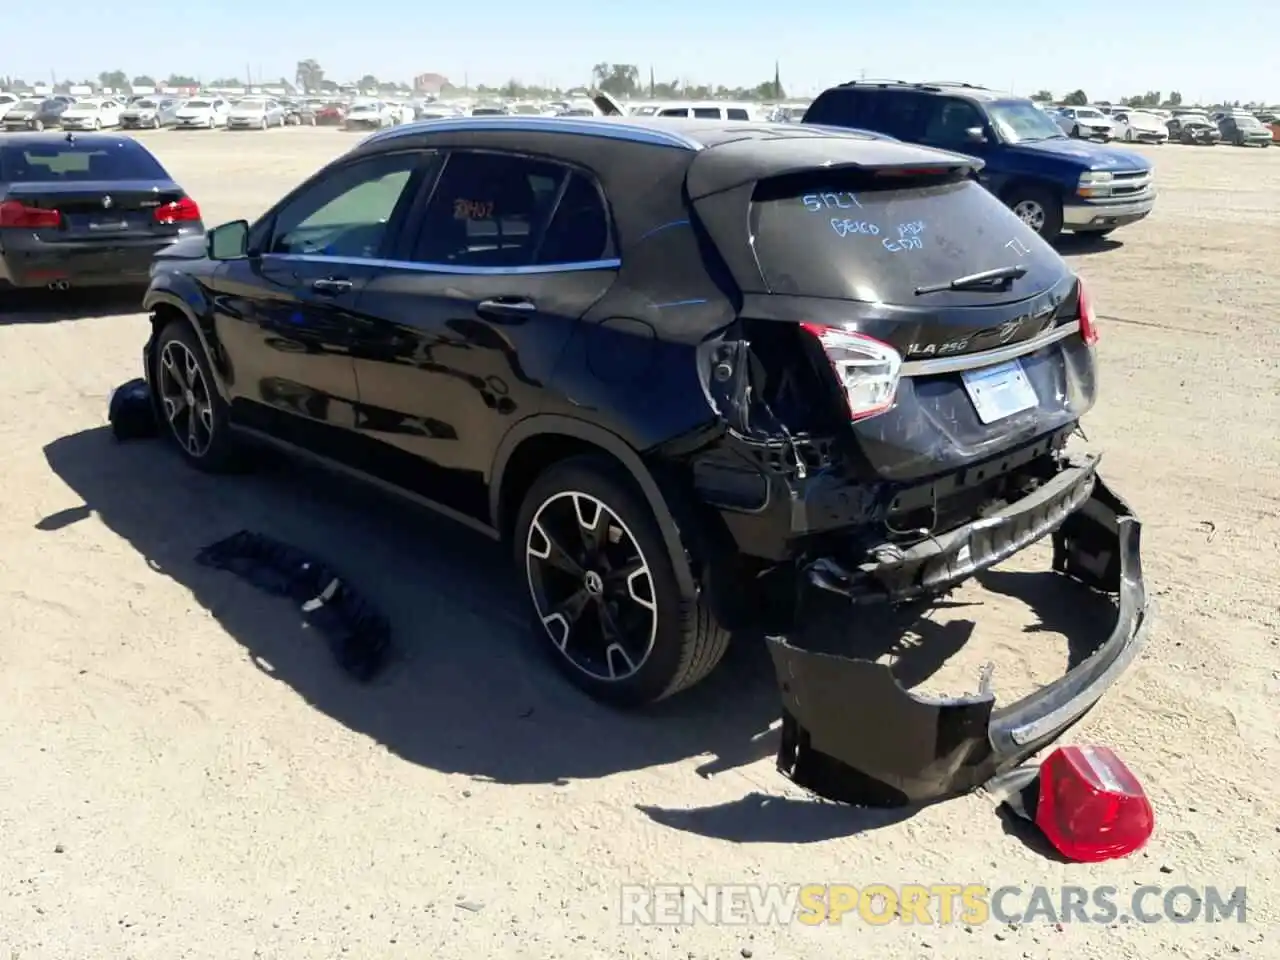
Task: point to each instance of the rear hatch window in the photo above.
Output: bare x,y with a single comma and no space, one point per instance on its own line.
877,238
71,163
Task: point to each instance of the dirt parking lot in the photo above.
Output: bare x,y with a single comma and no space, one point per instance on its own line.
184,773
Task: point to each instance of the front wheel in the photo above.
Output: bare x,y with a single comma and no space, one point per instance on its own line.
37,125
1075,132
195,415
1038,209
606,600
1128,136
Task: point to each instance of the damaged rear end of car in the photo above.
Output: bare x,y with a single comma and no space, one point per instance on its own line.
895,400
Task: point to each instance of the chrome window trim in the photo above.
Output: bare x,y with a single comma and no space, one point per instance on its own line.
444,268
604,128
972,361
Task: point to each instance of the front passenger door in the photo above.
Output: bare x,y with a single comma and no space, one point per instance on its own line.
288,314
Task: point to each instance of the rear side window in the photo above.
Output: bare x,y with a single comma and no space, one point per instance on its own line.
737,113
74,163
837,108
878,238
675,112
504,211
706,113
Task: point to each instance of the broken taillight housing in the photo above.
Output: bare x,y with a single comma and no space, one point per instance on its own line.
1091,806
1088,320
867,370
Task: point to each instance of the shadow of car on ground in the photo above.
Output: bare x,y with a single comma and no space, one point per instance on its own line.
468,690
20,306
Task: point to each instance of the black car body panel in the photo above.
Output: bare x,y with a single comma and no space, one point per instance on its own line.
640,324
110,216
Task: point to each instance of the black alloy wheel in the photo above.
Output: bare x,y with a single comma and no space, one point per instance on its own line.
604,591
194,413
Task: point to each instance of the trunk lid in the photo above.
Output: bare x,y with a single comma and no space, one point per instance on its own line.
881,272
101,210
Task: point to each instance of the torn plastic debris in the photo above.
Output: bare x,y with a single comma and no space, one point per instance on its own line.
852,733
131,413
359,634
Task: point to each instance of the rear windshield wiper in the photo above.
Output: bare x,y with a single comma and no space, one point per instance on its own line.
999,277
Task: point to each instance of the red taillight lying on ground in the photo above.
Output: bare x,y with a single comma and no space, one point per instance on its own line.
1091,806
1088,321
178,211
15,213
867,370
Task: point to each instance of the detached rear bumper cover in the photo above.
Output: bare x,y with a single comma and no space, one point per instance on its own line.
851,733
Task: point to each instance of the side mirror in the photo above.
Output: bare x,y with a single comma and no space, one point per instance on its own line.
975,135
230,241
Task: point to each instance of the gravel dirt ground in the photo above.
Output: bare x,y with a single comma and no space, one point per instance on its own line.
185,773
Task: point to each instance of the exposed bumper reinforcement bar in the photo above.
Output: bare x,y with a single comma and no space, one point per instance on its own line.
938,563
851,733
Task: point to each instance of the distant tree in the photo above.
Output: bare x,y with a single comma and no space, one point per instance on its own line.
143,81
181,80
228,82
617,79
115,79
1042,96
310,75
1076,98
369,82
1175,99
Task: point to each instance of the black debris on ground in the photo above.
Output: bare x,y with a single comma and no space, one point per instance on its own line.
130,412
358,634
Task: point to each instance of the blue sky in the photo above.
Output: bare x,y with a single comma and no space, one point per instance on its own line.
1109,49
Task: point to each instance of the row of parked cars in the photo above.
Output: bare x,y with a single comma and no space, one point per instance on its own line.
151,112
1193,126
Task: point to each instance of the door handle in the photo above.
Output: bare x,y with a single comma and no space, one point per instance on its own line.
331,286
506,307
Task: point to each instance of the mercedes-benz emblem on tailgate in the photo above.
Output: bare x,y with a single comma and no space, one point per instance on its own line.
106,203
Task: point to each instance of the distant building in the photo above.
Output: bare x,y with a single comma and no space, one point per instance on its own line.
430,83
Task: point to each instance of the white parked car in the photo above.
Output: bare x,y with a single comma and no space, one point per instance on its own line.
92,113
1138,126
370,115
7,101
403,112
1085,123
255,113
713,111
202,113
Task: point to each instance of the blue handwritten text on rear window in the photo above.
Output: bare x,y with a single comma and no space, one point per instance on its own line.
845,228
910,236
831,200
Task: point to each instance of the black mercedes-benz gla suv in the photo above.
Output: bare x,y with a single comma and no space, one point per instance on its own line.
689,370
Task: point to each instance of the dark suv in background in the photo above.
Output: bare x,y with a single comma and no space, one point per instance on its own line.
1052,182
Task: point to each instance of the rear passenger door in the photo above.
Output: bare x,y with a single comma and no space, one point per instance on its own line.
506,253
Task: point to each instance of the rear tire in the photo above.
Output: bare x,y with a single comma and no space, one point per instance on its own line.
195,418
605,599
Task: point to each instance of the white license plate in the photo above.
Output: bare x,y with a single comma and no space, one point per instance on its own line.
1000,391
108,225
